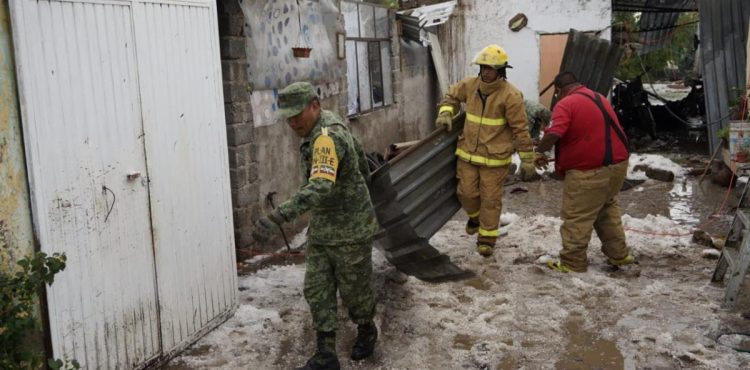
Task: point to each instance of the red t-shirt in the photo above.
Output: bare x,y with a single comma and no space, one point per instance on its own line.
579,123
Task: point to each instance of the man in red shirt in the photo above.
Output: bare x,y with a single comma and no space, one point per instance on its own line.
591,153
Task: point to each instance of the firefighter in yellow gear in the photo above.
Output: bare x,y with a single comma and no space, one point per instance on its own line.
495,117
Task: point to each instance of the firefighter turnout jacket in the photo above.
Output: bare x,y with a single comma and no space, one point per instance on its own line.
495,116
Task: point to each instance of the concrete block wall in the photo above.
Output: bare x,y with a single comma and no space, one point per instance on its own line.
243,165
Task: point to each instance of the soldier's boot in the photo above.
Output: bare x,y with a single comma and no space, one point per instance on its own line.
325,356
367,334
472,226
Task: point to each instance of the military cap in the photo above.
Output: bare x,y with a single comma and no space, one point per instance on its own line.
294,98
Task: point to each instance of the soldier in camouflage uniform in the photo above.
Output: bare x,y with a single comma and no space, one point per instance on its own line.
342,223
538,117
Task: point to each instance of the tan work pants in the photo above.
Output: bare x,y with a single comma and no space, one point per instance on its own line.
480,191
590,202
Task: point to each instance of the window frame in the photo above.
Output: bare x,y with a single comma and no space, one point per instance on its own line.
368,41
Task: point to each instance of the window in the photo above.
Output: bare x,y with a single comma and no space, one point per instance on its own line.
368,57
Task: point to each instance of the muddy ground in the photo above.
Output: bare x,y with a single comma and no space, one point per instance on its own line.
662,313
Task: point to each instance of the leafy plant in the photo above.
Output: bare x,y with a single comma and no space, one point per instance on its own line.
723,133
18,297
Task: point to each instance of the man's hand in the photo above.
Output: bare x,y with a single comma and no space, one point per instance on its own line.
528,172
541,161
267,225
444,119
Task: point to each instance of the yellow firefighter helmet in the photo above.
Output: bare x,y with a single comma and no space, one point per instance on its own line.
493,56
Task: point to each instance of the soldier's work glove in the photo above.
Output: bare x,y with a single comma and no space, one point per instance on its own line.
528,171
267,225
541,161
445,120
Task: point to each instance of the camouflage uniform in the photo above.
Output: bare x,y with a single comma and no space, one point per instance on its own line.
342,224
533,111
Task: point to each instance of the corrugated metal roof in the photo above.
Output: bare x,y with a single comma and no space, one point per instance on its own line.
656,30
414,21
723,35
653,5
592,60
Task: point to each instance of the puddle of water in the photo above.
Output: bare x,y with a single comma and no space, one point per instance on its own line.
680,203
463,341
585,350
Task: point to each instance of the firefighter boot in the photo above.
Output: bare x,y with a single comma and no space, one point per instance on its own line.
485,250
472,226
367,334
325,356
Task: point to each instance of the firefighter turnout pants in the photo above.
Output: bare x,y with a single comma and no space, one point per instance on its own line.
590,202
480,191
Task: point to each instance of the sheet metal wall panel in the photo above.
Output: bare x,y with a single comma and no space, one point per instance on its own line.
592,60
653,5
723,35
82,131
188,167
662,25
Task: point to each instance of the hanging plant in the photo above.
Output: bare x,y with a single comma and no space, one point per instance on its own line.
302,50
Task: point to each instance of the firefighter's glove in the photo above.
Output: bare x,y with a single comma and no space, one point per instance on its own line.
267,225
541,161
445,120
528,171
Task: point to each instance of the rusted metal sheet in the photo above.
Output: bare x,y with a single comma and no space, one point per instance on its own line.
592,60
414,196
723,36
127,158
186,148
16,239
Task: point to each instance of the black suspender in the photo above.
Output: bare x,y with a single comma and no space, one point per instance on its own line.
609,122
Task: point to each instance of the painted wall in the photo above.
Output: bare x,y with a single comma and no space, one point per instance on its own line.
478,23
16,237
272,29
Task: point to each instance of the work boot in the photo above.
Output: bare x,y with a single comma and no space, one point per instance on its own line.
485,250
472,226
622,262
325,356
367,334
559,266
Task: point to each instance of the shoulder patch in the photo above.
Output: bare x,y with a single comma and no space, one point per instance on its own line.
325,162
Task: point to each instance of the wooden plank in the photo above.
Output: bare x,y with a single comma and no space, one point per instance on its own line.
437,59
737,277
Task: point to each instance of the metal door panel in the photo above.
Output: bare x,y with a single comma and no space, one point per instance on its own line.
78,86
188,167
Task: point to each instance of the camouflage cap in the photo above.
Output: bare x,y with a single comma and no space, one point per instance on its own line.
294,98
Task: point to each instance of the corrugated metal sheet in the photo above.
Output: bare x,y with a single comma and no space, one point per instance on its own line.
104,85
662,24
414,196
723,36
592,60
653,5
416,22
186,146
